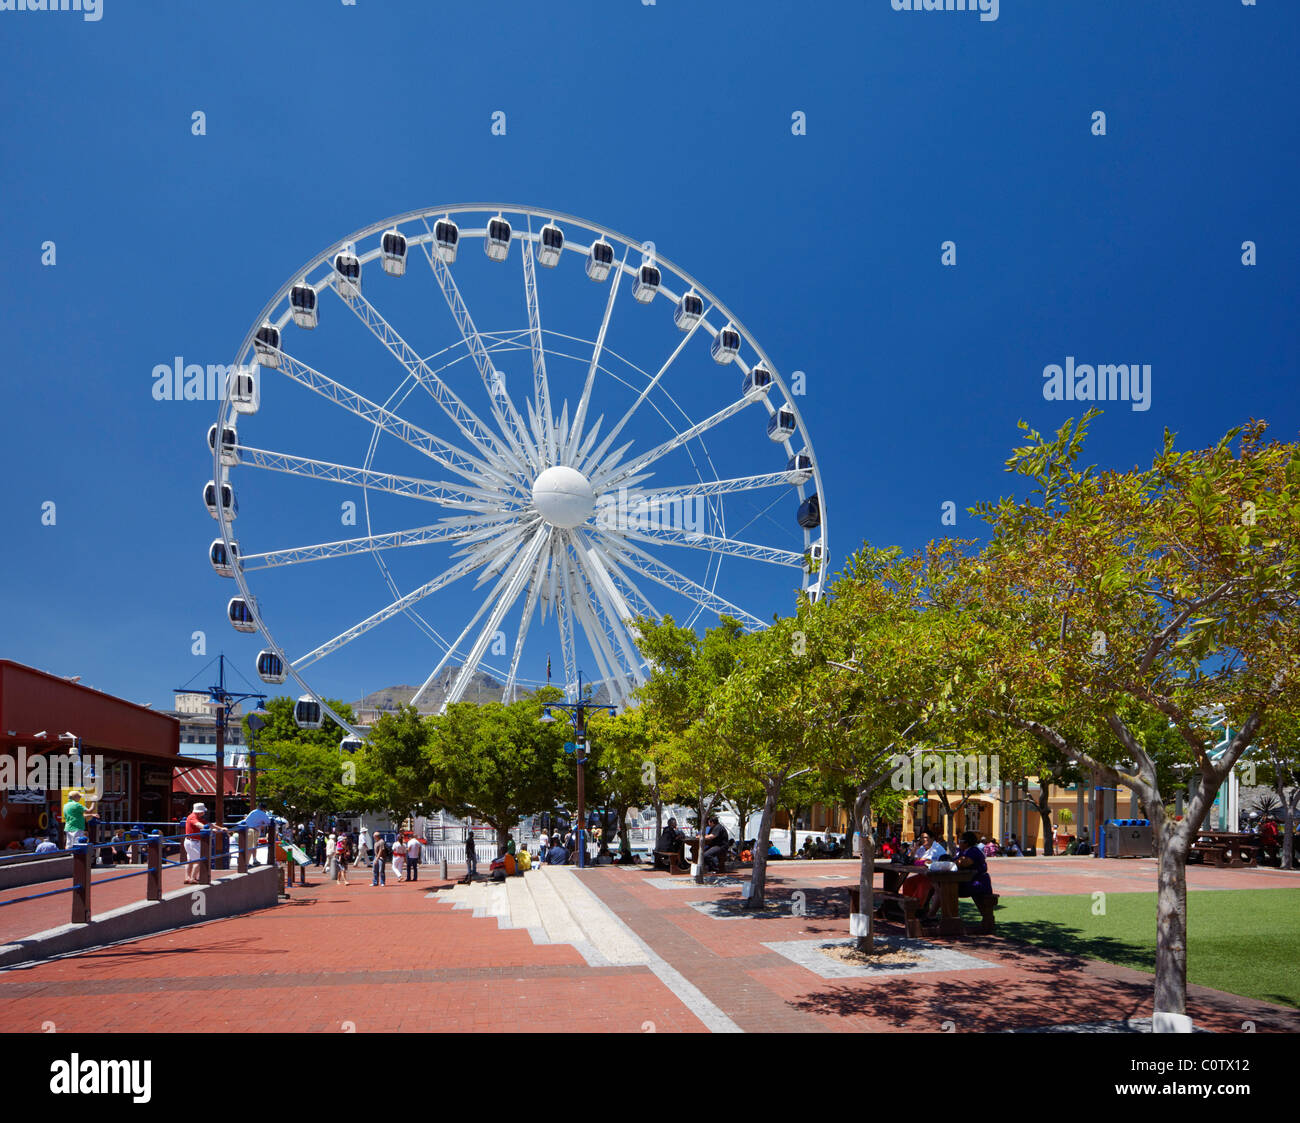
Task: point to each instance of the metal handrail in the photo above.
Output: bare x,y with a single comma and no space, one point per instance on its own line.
82,880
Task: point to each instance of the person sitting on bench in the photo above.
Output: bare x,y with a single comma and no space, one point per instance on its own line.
715,843
971,856
670,840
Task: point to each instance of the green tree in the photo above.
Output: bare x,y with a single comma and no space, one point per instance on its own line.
687,672
1107,598
498,763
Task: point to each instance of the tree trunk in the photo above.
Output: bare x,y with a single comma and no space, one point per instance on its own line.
1288,817
699,848
758,875
866,874
1045,814
794,829
624,843
1171,914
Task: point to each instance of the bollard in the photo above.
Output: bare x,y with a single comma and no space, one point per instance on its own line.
81,885
153,855
444,869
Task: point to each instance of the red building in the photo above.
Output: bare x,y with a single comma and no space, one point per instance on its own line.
140,751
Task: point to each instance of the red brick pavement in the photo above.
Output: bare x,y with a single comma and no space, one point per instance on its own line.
393,959
382,959
763,990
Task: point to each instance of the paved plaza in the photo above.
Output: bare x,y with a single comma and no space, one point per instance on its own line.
612,949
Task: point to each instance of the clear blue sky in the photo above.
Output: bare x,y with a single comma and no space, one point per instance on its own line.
669,122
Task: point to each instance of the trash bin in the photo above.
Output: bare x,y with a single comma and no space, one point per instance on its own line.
1126,838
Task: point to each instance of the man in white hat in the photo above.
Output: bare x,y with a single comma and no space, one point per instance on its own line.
195,824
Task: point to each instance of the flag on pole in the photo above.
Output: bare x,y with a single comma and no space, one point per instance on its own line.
548,668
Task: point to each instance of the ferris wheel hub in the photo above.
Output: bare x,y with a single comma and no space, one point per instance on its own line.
563,497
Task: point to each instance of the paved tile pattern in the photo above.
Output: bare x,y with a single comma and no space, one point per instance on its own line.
396,958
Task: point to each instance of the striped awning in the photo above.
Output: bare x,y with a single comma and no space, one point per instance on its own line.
201,779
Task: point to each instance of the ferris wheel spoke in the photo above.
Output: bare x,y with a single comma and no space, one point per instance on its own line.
563,602
513,581
464,418
439,450
497,551
432,491
710,543
642,501
541,387
614,475
446,531
580,415
525,621
614,610
631,592
503,409
600,646
646,565
400,605
609,439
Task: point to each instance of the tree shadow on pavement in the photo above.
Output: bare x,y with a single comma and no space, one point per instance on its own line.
977,1005
1076,943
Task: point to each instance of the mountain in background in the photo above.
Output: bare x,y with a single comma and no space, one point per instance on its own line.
482,688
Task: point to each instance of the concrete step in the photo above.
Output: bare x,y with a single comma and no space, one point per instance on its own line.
560,926
523,909
604,931
553,904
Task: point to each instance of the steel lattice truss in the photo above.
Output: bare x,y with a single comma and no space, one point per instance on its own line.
520,541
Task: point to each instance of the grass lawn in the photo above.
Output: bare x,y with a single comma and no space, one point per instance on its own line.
1244,941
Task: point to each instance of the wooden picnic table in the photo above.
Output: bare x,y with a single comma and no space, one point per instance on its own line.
1228,849
693,853
946,881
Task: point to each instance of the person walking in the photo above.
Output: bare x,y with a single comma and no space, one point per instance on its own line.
380,853
399,858
414,851
343,855
471,857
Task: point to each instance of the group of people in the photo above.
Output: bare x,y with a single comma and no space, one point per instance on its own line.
930,852
826,847
714,846
338,851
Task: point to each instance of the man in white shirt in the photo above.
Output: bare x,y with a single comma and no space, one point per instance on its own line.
414,852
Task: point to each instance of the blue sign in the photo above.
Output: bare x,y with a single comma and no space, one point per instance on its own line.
570,747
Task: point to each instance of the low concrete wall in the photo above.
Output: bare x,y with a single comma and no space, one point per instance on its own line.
31,870
230,896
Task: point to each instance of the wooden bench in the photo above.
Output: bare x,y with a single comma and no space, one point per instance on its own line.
1227,855
910,905
673,860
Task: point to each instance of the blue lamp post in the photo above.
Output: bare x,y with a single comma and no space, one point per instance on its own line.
577,713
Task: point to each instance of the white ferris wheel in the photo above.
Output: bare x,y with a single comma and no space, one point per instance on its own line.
602,439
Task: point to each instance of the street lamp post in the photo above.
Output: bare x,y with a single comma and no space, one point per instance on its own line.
577,715
223,702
